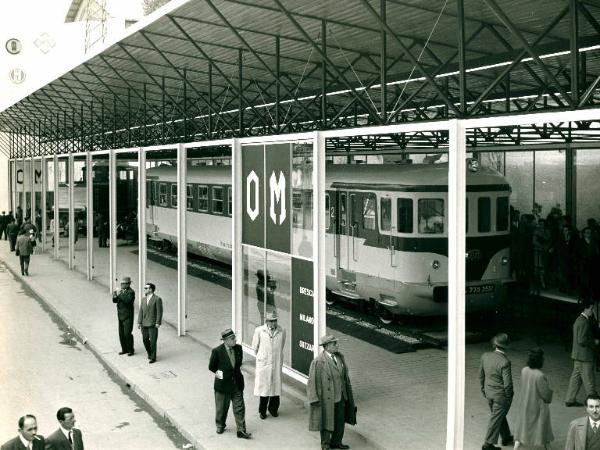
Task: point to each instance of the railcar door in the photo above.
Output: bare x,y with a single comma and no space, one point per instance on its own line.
345,235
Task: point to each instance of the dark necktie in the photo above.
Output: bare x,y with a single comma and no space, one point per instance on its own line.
70,438
595,427
231,356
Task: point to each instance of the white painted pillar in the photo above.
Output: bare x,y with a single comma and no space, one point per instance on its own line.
319,266
55,231
181,239
142,247
72,224
456,284
236,238
32,187
43,201
89,216
112,218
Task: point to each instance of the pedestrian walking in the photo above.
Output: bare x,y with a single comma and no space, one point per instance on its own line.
27,437
583,356
496,382
584,432
66,437
226,363
12,230
534,427
329,393
3,224
150,319
19,216
24,249
268,342
125,300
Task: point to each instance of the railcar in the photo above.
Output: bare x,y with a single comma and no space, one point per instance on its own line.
386,231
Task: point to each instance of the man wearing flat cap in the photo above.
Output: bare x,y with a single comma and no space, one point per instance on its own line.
268,343
329,393
226,363
125,300
497,387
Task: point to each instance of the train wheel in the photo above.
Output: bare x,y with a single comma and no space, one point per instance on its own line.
329,298
384,315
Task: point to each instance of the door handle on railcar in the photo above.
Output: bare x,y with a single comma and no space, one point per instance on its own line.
354,226
392,249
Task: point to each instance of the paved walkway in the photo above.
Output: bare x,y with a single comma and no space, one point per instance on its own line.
179,386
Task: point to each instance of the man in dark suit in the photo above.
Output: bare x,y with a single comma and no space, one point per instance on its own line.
330,396
125,299
12,231
28,439
497,387
3,224
66,437
226,362
583,352
149,319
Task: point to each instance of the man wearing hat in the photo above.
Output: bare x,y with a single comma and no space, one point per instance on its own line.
497,387
226,363
268,343
329,393
125,299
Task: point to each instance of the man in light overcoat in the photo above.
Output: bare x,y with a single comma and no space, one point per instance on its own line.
584,432
495,377
149,319
268,343
330,396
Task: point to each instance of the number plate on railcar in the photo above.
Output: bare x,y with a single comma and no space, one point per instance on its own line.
481,289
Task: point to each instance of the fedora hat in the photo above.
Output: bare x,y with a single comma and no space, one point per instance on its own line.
126,280
271,315
227,333
327,339
501,340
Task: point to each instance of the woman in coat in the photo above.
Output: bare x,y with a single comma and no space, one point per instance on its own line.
268,343
534,427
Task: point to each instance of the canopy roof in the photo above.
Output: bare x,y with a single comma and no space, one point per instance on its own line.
209,69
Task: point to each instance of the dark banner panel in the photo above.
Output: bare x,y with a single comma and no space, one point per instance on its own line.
278,199
302,315
253,211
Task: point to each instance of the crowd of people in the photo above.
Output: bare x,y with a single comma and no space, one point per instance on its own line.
21,235
551,253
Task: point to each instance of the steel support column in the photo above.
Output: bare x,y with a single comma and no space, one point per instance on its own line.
277,84
570,182
456,285
55,237
462,75
574,48
44,189
383,61
319,264
236,238
324,74
240,90
185,106
181,240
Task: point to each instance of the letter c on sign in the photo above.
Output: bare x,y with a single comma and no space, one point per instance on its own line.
251,179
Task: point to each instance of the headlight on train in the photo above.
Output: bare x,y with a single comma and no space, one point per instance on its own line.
435,264
504,260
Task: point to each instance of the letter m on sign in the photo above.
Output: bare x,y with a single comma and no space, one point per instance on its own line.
277,189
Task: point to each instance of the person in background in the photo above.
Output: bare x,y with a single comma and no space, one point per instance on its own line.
150,319
27,437
125,300
534,427
12,231
66,437
268,343
495,377
3,224
23,250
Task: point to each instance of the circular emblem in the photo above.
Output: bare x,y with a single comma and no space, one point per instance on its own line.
17,75
13,46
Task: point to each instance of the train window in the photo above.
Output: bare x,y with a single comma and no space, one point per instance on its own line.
327,212
162,194
155,192
217,200
203,198
502,214
174,195
297,217
385,205
431,215
484,214
189,197
405,215
342,213
369,211
229,201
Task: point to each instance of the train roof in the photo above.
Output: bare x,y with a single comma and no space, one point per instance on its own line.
369,176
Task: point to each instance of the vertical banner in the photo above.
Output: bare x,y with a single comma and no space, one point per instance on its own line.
302,315
278,199
253,216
